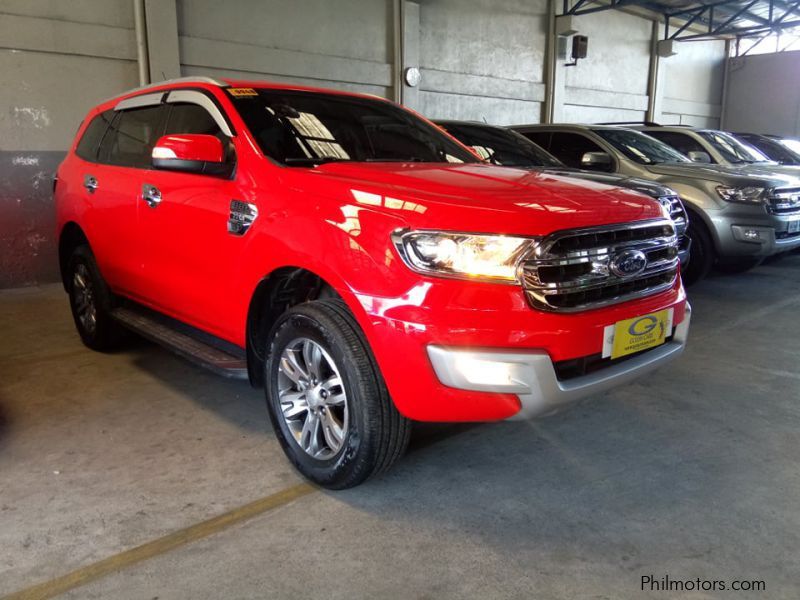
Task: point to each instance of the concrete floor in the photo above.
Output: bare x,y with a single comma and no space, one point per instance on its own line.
692,473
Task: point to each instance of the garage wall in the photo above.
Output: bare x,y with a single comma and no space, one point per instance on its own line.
482,59
610,84
57,59
345,44
692,84
763,94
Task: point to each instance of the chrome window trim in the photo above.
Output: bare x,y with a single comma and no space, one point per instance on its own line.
195,97
140,101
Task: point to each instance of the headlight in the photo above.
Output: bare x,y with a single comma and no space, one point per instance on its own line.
463,255
745,194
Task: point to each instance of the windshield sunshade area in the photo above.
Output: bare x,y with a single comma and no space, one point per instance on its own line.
732,149
502,146
298,128
640,148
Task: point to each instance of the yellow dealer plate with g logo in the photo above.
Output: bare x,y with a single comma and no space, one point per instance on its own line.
637,334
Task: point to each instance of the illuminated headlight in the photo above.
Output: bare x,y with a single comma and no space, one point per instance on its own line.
464,255
745,194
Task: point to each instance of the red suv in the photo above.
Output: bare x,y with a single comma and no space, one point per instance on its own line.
361,265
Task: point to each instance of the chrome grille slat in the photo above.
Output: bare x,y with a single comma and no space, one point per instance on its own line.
562,280
784,201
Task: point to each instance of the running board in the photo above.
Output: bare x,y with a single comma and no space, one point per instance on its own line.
200,353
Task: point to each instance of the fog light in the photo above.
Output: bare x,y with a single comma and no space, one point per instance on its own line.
485,372
755,235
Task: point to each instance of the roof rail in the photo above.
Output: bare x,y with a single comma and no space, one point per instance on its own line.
645,123
192,79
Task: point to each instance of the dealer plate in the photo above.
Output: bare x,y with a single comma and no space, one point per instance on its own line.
637,334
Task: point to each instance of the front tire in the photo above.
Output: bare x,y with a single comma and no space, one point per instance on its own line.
327,400
90,301
701,255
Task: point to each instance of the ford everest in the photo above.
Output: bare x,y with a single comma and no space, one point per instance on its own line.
357,262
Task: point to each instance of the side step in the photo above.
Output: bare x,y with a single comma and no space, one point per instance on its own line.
156,329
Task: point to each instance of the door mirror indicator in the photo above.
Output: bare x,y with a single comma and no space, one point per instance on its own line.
191,153
699,156
596,160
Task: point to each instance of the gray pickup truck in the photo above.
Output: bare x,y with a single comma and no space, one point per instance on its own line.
735,219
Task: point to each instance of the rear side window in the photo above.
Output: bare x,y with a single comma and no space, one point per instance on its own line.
191,118
540,138
93,135
680,141
131,137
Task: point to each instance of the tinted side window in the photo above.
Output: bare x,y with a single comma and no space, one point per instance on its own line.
540,138
191,118
131,137
570,147
680,141
93,135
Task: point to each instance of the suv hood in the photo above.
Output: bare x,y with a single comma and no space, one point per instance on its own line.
648,188
727,175
484,198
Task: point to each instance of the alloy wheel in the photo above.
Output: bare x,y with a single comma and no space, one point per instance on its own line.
312,397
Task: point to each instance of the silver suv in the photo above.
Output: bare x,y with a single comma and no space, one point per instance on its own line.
717,148
735,219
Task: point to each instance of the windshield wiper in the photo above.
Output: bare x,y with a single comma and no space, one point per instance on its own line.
407,159
313,160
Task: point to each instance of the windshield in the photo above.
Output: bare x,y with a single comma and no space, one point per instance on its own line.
640,148
731,149
501,146
298,128
792,145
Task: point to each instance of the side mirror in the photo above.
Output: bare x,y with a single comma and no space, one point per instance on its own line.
699,156
599,161
191,153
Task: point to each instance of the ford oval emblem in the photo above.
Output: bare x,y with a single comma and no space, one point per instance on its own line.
628,263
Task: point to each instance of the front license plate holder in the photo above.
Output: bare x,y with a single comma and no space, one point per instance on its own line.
639,333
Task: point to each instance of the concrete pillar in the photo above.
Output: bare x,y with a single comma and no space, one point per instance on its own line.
555,74
655,78
161,18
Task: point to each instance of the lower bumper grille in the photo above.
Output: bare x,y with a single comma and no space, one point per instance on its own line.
570,271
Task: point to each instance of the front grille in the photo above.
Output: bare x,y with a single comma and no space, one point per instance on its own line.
784,202
578,270
677,212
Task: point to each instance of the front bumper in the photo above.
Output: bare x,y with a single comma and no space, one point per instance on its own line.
461,315
532,377
749,231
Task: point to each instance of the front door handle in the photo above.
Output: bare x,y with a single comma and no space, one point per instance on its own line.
151,195
90,183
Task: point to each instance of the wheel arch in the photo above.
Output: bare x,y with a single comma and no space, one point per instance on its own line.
71,237
278,291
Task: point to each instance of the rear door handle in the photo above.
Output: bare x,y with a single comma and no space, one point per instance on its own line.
90,183
151,195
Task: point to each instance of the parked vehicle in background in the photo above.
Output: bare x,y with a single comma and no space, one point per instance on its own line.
501,146
717,148
785,151
360,264
735,219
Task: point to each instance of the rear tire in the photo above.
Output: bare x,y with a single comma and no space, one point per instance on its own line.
327,400
91,301
701,255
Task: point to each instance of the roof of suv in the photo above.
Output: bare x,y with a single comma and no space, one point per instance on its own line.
199,81
570,126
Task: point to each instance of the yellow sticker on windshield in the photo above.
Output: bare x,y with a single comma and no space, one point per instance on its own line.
241,92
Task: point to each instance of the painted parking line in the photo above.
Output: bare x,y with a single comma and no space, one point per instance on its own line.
159,546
